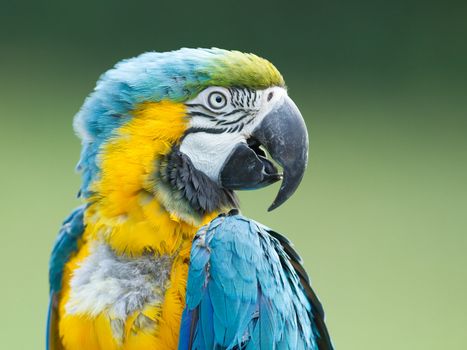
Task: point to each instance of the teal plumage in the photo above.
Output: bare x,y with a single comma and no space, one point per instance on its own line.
65,245
247,290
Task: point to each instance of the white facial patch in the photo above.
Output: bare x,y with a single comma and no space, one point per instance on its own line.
222,118
208,152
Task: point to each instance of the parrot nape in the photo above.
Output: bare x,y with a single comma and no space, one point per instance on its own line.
158,256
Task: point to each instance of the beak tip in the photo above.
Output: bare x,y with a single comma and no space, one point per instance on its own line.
271,208
275,205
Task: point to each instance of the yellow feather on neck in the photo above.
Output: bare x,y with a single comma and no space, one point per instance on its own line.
124,209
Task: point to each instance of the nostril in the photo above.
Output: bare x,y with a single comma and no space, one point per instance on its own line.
270,96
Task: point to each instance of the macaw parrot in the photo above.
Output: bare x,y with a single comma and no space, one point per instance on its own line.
158,256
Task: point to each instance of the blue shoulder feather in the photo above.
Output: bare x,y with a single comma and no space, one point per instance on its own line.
65,245
247,290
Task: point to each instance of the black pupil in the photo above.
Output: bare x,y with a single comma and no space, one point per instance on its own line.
218,99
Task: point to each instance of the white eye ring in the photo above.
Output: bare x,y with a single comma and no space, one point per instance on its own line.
217,100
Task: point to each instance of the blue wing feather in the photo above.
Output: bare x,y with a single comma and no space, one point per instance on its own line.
65,245
250,292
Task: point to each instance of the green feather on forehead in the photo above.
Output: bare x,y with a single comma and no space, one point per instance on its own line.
235,68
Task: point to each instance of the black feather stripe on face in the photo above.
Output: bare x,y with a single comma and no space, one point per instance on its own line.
187,183
240,110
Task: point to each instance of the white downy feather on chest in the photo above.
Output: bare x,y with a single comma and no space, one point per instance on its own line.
117,285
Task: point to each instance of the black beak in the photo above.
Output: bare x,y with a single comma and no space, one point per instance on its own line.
284,135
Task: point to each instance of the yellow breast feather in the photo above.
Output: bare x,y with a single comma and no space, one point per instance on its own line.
125,214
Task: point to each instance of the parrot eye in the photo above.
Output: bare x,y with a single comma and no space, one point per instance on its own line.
217,100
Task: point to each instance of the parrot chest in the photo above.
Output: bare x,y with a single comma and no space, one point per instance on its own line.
117,298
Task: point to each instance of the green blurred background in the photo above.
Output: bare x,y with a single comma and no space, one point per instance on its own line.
381,217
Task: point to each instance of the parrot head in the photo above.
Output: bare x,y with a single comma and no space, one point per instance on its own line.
187,129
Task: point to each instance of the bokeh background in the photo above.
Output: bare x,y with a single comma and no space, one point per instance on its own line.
381,217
